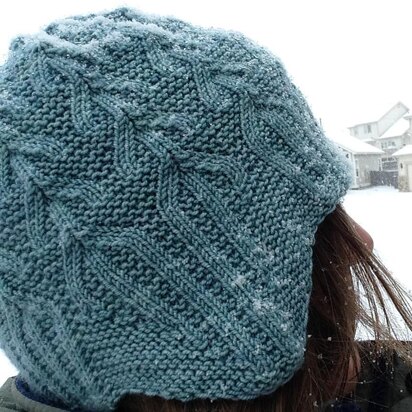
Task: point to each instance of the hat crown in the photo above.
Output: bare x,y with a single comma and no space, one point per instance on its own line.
162,187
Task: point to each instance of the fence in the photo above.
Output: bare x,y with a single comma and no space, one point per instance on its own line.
384,178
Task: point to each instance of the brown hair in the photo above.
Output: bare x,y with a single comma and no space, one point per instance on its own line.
350,286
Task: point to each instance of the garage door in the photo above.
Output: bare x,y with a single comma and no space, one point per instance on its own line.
410,177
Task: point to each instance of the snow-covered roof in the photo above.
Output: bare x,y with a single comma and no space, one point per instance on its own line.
397,129
352,144
406,150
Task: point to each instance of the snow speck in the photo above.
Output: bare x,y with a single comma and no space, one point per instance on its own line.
239,281
284,327
261,305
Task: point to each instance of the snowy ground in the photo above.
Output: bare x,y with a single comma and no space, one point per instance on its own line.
384,212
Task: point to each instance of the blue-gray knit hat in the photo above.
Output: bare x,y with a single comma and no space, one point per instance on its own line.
160,188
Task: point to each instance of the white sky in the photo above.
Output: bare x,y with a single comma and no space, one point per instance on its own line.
352,59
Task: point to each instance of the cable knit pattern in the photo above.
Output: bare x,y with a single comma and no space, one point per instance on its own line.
160,188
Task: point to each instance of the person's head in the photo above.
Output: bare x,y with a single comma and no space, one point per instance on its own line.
171,225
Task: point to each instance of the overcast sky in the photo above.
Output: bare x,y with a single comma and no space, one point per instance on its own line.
352,59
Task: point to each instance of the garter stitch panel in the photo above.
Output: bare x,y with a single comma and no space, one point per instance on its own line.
160,188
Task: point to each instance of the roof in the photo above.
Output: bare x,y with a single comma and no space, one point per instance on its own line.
397,129
352,144
406,150
375,113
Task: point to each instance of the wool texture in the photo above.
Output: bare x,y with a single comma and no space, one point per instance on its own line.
160,189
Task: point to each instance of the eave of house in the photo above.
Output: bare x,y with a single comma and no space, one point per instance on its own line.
353,145
405,151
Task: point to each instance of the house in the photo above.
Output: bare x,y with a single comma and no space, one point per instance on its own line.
389,133
370,131
396,137
363,157
404,157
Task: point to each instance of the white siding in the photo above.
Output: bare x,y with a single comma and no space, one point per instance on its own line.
405,172
365,131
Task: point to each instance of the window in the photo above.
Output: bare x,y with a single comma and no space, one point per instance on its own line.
388,145
367,128
389,164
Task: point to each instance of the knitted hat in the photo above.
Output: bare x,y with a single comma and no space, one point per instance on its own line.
160,188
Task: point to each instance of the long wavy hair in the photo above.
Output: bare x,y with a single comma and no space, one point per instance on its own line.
351,287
